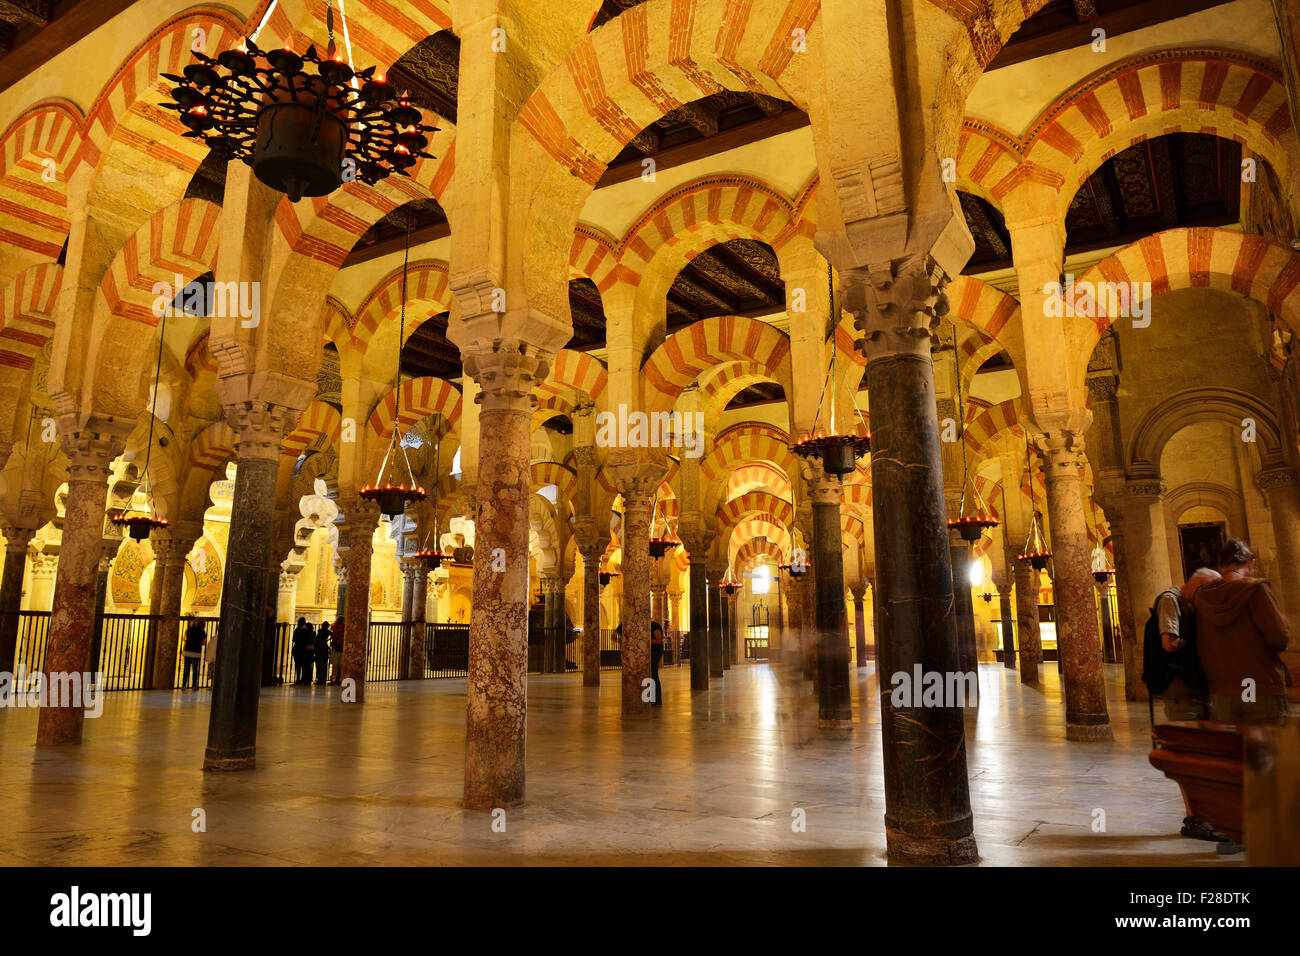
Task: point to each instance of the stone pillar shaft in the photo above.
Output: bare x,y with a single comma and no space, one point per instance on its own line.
591,618
419,604
72,620
1077,636
1146,551
963,606
1283,495
860,625
699,624
1008,630
171,564
830,620
11,593
1031,643
716,669
636,600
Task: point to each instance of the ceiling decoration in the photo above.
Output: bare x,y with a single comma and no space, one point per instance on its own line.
740,277
428,223
430,71
209,180
609,9
1066,24
704,127
1180,179
588,316
429,352
17,14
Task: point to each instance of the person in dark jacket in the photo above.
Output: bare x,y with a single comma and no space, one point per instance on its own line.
336,650
1187,696
656,655
195,638
1240,634
303,647
323,653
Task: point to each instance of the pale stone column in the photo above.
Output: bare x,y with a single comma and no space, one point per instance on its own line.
418,659
897,305
830,626
591,555
11,592
860,622
90,451
1146,548
1008,630
1086,716
698,538
497,705
287,604
362,519
637,484
40,596
170,552
553,611
237,675
1283,494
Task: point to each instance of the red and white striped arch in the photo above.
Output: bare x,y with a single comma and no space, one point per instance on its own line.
761,503
755,477
33,211
691,351
574,371
543,473
26,314
420,397
748,443
317,419
426,292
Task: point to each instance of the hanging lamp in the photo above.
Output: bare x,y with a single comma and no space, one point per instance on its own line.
659,546
606,577
729,585
303,133
839,451
1035,551
434,556
973,515
395,487
138,524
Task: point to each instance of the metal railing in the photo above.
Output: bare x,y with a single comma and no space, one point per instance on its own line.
756,645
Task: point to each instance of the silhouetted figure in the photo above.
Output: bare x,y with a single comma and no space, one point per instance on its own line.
303,649
195,637
656,655
336,651
323,653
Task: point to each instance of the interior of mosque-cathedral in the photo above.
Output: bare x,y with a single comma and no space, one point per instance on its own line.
1043,252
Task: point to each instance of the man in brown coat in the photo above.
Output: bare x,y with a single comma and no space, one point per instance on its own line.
1240,633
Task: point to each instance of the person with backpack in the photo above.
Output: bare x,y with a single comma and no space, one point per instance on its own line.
1171,665
1243,633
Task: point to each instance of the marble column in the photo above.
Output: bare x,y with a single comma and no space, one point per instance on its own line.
830,627
591,616
90,453
1127,638
927,797
1077,636
659,599
716,669
418,660
1145,548
963,606
637,491
553,611
699,598
237,675
11,592
860,623
1282,492
362,520
1031,644
1008,628
724,619
170,554
497,689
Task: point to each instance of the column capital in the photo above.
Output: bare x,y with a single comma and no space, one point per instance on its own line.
823,489
259,427
896,305
1276,476
91,448
17,539
697,534
552,583
361,513
506,373
637,479
1062,448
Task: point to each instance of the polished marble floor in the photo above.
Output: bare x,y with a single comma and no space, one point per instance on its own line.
713,778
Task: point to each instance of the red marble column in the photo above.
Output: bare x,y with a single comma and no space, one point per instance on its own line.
591,616
362,520
11,592
1078,638
497,688
90,453
1031,644
418,662
637,494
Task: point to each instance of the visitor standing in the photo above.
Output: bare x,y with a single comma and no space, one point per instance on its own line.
195,637
656,655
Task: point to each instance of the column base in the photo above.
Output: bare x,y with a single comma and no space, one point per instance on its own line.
238,760
591,681
840,726
484,802
907,850
1088,731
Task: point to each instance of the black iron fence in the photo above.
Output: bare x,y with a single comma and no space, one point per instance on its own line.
122,650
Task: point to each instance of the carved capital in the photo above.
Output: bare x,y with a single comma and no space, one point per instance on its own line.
1277,477
17,539
259,427
636,478
506,373
697,534
823,489
896,305
91,449
552,584
1062,450
362,516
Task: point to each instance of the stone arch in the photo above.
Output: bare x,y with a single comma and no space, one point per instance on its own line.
692,350
1224,92
725,383
318,419
420,397
543,473
748,554
26,314
1197,257
426,281
594,256
579,372
614,83
1209,403
369,25
767,506
746,443
34,228
1218,496
986,430
756,526
989,311
754,477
